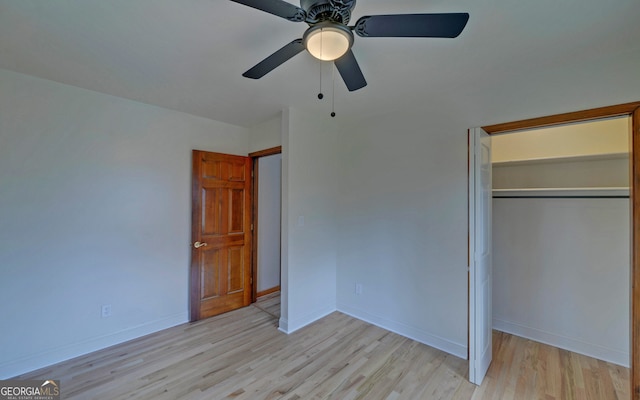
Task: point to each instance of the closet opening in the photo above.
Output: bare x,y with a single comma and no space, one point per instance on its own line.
633,111
561,236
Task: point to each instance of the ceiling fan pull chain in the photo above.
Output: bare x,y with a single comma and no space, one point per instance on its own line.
320,95
333,91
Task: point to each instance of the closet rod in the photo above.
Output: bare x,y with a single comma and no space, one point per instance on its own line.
560,197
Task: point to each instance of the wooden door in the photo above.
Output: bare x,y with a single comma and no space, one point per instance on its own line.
221,234
480,268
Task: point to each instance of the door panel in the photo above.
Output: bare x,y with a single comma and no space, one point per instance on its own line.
212,200
236,270
236,216
221,222
210,275
480,268
238,172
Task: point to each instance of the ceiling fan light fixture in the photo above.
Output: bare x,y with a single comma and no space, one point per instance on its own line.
328,41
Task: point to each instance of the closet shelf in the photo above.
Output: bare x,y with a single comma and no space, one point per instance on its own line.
594,157
595,192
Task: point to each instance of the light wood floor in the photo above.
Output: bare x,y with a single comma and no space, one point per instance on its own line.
241,355
269,304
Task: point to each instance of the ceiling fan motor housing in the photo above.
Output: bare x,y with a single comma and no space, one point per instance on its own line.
328,10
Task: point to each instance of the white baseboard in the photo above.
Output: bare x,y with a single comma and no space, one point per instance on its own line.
283,325
291,325
563,342
52,356
408,331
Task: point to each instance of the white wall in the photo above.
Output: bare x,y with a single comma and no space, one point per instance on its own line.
384,204
269,215
266,135
95,200
561,273
402,226
309,175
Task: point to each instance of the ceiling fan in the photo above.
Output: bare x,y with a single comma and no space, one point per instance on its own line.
329,38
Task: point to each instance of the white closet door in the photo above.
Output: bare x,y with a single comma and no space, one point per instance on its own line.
480,268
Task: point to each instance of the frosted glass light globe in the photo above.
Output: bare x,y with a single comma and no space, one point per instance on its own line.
328,42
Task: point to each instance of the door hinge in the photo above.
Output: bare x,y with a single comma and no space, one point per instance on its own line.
252,174
251,226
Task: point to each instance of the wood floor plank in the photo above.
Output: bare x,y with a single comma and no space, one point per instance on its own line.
241,355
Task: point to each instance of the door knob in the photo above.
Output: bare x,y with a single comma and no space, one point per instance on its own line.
197,245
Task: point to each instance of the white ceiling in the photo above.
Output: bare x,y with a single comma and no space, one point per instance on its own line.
515,59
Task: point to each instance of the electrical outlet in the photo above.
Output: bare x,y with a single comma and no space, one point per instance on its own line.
106,311
358,288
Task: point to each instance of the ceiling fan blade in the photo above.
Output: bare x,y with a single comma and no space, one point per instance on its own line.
274,60
412,25
350,71
277,7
